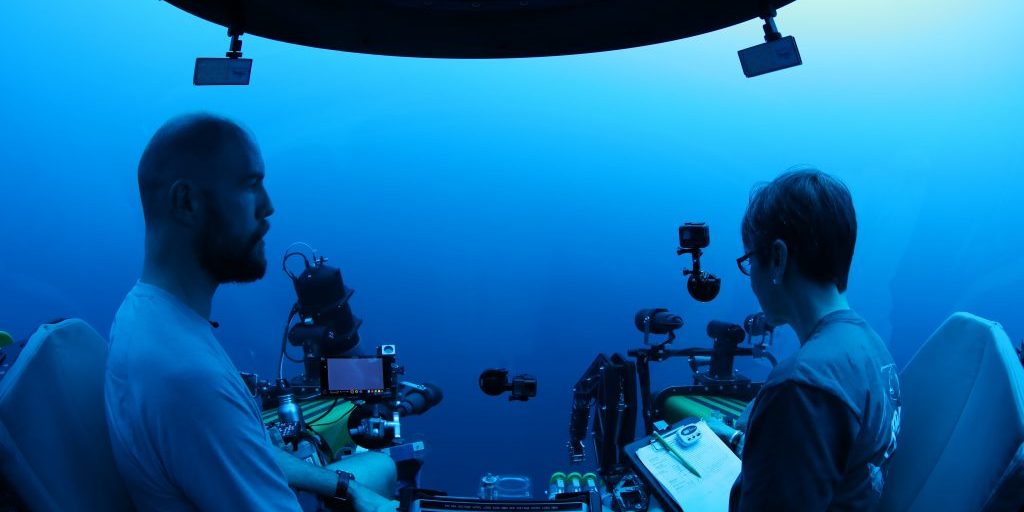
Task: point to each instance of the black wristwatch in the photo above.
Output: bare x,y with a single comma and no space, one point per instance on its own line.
344,479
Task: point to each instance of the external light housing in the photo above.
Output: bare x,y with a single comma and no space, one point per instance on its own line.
229,70
222,71
771,56
775,53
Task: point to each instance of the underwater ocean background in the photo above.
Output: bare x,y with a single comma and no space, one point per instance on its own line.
516,213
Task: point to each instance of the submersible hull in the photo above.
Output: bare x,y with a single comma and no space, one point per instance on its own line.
477,29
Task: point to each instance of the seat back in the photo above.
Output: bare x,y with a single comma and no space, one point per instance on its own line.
961,445
54,448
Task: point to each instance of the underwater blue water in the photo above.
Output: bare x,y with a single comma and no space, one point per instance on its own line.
516,213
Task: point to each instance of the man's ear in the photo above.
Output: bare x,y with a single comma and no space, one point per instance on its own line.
184,201
779,261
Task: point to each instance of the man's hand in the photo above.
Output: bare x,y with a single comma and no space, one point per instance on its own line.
365,500
377,469
275,437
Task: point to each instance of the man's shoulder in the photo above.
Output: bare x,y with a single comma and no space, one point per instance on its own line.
166,373
150,335
148,351
142,310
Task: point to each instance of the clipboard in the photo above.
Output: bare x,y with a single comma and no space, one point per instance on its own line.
719,483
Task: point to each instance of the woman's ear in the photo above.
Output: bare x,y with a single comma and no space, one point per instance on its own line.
778,261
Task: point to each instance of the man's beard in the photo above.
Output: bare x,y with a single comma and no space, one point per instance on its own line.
229,261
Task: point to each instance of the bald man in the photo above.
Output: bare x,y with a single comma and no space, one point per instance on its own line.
185,432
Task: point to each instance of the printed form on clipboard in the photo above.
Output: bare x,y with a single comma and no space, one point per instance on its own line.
702,451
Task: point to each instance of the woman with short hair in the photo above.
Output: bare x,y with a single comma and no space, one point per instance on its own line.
824,425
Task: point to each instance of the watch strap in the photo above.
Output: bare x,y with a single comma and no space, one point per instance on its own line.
344,480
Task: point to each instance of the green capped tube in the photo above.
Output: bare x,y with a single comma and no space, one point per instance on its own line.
556,485
575,483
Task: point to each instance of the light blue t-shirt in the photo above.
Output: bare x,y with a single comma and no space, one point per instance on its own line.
186,433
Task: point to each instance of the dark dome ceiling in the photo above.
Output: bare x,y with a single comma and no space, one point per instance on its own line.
477,29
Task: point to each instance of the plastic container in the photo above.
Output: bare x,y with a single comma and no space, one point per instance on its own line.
494,487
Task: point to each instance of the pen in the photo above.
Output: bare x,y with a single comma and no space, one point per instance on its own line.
674,451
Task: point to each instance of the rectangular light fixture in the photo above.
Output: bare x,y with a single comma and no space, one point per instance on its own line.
222,71
774,55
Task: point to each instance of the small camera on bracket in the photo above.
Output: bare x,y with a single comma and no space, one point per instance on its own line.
694,235
495,381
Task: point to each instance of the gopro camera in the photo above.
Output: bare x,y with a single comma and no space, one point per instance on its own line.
694,235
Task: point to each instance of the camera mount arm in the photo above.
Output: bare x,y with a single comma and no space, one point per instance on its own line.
656,354
693,238
610,383
719,358
771,31
583,394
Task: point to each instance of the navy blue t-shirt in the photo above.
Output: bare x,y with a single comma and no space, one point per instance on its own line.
825,424
186,434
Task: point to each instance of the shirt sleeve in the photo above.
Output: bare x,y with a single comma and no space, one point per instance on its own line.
216,451
796,450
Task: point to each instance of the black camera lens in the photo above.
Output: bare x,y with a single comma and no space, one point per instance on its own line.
703,287
657,321
494,381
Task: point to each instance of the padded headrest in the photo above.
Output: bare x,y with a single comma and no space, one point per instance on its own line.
54,448
962,422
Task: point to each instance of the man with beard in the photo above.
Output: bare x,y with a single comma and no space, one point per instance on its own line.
185,432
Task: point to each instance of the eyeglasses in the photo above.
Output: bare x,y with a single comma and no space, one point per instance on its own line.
743,262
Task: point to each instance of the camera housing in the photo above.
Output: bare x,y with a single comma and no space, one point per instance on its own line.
774,55
222,71
694,235
495,381
656,321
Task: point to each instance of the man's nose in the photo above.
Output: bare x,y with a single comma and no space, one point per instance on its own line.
268,206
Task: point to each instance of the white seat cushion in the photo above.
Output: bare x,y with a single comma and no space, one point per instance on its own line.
962,441
54,449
